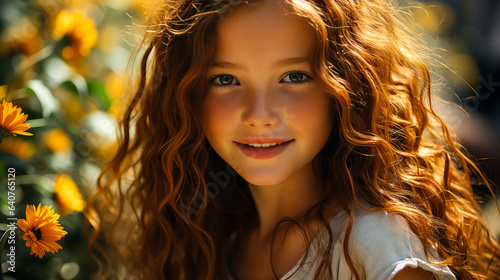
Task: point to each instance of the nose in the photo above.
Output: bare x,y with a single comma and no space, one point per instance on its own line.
260,110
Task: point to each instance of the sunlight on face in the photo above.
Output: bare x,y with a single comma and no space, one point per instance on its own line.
265,113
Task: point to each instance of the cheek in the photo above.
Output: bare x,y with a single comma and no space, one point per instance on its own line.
217,118
312,114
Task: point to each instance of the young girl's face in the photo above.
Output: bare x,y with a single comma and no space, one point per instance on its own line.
265,113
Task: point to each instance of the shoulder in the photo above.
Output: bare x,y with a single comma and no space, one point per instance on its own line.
378,230
381,244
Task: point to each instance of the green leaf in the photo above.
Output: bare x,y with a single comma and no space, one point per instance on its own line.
44,95
42,184
81,86
99,95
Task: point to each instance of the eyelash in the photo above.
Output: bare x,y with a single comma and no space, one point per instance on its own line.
234,81
305,77
218,84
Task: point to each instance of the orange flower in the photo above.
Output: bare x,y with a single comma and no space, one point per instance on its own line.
79,28
18,147
57,140
41,229
68,197
12,120
22,37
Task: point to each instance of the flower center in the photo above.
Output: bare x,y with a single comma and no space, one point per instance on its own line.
38,233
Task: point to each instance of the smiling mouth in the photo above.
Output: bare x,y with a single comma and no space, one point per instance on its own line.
264,145
263,150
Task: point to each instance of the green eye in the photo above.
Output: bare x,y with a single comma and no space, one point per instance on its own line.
296,78
225,80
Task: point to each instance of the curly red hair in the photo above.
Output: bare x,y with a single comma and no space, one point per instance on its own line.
154,215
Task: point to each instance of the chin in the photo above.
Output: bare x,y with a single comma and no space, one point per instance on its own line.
263,178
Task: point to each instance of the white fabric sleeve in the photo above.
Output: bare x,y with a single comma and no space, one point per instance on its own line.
382,245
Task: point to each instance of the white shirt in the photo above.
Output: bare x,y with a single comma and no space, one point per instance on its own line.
380,243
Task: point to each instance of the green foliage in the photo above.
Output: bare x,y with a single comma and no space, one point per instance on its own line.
65,80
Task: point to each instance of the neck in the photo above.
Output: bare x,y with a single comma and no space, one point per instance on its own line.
291,199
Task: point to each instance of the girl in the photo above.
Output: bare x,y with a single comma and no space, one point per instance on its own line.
286,140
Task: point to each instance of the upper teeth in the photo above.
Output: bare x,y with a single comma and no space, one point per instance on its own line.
266,145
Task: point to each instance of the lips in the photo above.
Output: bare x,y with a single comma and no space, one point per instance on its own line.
263,148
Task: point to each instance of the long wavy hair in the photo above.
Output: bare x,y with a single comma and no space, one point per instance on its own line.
167,206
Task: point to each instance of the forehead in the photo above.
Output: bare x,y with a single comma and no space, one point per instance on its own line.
264,28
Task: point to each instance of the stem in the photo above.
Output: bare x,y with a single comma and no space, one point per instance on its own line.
3,240
37,57
3,130
30,61
37,122
43,182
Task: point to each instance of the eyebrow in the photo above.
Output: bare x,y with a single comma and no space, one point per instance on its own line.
279,63
226,65
291,61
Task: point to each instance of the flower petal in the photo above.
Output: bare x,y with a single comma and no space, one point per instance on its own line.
41,229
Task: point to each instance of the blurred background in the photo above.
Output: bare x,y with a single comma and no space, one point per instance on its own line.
63,62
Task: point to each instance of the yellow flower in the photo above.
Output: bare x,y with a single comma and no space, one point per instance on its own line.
115,86
41,229
57,140
18,147
68,197
22,37
79,28
12,121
